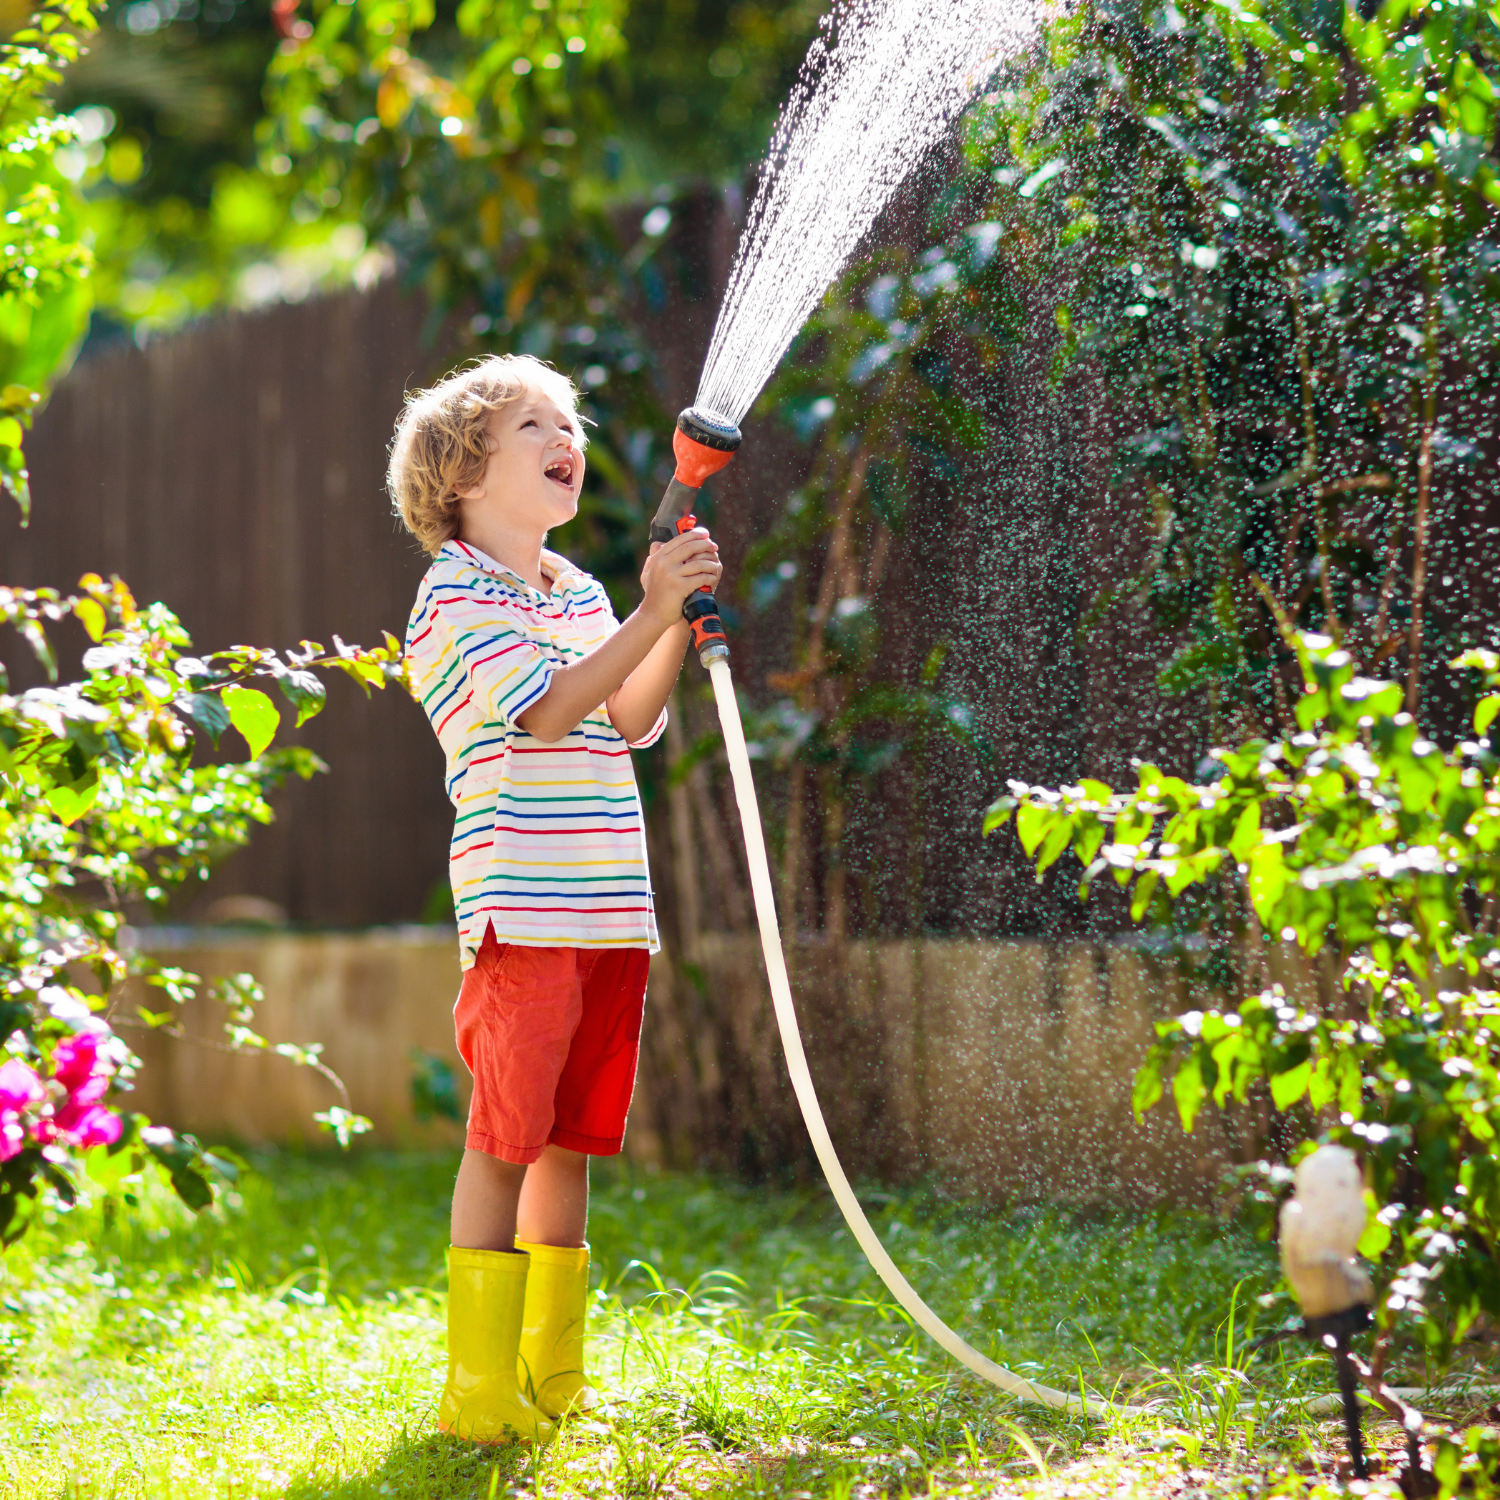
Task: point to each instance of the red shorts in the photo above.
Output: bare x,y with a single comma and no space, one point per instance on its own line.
551,1036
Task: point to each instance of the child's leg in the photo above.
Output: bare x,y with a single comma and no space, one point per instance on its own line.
484,1202
554,1199
515,1016
552,1219
590,1105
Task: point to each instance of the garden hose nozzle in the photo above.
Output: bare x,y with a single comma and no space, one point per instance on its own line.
703,442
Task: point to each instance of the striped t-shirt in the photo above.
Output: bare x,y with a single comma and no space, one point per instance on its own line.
549,846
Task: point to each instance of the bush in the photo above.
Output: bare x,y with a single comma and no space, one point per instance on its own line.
1270,227
102,808
1361,844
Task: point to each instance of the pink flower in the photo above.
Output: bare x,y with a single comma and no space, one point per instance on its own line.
20,1089
91,1091
12,1137
92,1126
75,1061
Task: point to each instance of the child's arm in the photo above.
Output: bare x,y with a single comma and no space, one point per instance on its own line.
652,634
637,703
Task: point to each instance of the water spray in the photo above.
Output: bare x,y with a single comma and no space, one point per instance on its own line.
881,86
705,443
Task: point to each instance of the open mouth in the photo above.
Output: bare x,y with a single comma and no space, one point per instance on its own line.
560,470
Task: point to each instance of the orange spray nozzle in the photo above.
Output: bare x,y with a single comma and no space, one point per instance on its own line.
703,442
695,462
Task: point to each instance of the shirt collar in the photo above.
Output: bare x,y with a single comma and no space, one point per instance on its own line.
562,572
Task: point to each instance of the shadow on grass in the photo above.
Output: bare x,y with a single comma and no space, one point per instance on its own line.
425,1466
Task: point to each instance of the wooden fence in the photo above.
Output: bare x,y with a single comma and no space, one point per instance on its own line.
994,1070
235,472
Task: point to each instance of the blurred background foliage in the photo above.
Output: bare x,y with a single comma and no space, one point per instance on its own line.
518,161
232,152
1272,228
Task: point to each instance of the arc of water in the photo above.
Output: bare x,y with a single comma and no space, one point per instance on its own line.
882,86
807,1098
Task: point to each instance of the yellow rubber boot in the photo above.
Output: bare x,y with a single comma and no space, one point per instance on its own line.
551,1366
483,1400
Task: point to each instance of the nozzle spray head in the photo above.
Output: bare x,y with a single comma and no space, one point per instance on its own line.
703,442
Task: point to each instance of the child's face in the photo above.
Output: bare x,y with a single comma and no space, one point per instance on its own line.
535,470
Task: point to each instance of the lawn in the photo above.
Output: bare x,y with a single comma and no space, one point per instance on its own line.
289,1342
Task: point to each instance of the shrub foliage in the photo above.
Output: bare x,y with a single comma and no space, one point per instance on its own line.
1354,840
109,797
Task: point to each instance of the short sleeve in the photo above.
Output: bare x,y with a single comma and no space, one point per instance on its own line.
505,669
652,735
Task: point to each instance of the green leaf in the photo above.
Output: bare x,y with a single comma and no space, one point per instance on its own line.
305,692
1246,832
1147,1088
108,1168
1189,1092
1351,1084
207,712
999,814
1377,1236
1321,1086
1059,836
1140,897
1031,824
1226,1053
254,715
180,1155
1484,714
1287,1088
192,1187
343,1124
71,803
91,613
1268,880
1086,845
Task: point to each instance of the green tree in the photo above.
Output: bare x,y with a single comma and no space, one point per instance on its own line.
503,151
1270,226
44,264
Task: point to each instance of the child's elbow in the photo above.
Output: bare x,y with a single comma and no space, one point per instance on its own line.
540,725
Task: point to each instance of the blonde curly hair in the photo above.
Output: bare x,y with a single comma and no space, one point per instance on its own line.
441,446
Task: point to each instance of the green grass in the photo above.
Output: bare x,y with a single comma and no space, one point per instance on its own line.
289,1342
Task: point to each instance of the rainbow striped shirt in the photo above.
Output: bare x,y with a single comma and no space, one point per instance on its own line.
549,845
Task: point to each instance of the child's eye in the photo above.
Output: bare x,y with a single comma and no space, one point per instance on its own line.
529,422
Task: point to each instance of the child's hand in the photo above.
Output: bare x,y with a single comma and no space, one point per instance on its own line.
674,570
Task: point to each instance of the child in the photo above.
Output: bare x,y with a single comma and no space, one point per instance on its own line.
537,695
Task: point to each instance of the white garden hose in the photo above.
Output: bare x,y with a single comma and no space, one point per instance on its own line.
796,1061
812,1114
